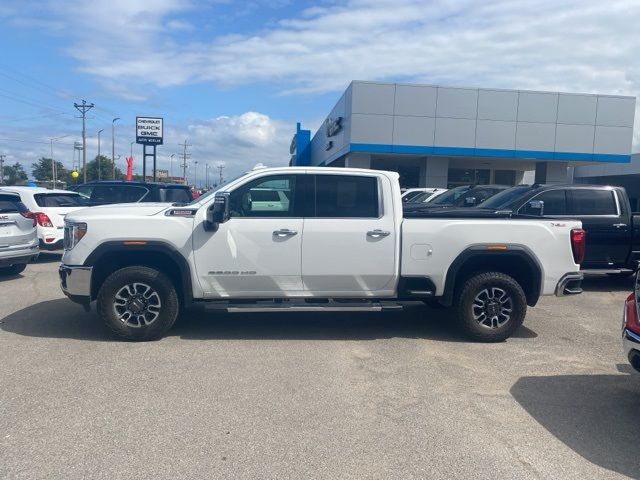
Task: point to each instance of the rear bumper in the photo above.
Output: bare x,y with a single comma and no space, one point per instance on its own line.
50,237
75,282
57,245
15,255
570,284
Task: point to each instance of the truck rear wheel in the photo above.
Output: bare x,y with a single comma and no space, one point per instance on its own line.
492,306
138,303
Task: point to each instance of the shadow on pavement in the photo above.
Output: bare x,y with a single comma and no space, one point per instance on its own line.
62,319
607,283
597,416
49,257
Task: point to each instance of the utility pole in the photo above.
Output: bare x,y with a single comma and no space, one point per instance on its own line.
185,155
220,168
99,132
2,157
171,164
206,169
83,109
113,147
195,178
54,174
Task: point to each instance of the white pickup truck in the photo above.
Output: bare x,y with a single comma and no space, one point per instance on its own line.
327,239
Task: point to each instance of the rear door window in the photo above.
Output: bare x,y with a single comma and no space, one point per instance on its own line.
586,201
106,194
555,203
346,196
179,195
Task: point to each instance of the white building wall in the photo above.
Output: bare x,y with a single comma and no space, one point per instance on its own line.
523,125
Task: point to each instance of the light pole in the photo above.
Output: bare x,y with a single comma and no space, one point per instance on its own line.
53,163
113,147
171,164
206,174
195,178
99,132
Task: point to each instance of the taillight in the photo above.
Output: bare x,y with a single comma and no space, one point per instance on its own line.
43,219
31,215
578,240
632,322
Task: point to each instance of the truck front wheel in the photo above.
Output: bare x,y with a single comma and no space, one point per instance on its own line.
491,307
138,303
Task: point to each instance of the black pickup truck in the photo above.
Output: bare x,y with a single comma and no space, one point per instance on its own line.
613,231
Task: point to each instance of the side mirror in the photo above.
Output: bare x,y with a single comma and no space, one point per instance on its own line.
471,201
536,207
217,213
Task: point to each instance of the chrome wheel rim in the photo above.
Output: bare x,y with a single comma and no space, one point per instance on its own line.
137,305
492,307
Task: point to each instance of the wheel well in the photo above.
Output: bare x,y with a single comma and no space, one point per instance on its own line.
521,268
109,262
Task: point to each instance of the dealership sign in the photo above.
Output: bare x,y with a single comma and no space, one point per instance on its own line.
333,125
149,130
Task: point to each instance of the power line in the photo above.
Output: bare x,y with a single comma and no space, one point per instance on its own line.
83,109
30,141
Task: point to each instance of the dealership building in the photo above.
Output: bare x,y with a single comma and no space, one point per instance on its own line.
439,136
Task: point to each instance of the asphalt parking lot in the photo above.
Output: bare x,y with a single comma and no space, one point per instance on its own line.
392,395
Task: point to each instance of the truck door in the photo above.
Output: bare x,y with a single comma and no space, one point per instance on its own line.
608,231
256,253
349,243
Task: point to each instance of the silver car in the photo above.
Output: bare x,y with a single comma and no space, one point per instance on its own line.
18,236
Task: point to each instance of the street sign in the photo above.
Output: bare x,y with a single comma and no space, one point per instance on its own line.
149,130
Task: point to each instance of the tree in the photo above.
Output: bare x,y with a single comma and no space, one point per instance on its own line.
105,169
41,170
14,174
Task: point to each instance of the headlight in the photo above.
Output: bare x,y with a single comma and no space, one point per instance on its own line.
73,233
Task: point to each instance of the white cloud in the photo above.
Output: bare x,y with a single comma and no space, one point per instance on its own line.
570,45
237,141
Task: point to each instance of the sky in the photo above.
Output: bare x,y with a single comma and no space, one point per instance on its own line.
233,78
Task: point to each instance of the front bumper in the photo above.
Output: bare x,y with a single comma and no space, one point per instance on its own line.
631,344
570,284
75,282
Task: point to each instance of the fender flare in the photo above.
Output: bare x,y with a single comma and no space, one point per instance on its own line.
483,251
149,246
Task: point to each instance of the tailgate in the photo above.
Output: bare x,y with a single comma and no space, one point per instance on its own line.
15,229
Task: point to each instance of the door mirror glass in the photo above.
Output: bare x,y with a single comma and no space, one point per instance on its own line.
536,207
471,201
217,213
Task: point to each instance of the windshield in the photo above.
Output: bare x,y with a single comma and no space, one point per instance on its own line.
451,196
219,188
504,199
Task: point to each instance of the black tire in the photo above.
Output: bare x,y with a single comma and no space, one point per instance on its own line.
497,324
147,316
13,269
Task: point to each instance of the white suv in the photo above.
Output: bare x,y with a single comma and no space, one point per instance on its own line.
49,207
18,241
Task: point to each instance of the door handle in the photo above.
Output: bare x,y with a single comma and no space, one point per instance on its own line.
619,225
378,233
285,232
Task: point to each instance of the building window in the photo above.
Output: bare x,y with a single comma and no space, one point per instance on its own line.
504,177
468,176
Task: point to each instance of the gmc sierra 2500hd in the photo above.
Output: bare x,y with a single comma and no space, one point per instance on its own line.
300,239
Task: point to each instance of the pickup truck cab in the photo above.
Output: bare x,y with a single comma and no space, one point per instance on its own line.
612,230
338,242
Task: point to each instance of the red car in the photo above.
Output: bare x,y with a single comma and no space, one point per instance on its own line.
631,327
